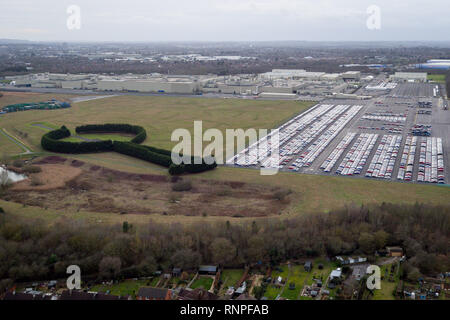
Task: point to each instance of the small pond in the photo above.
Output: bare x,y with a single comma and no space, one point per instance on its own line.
13,177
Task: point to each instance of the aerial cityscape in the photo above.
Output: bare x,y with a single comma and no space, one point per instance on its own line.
227,170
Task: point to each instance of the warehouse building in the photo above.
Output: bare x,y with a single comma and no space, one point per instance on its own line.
409,76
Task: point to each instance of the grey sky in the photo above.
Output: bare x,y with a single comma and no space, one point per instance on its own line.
224,20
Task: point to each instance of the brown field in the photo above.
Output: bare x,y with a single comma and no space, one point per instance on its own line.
53,176
72,185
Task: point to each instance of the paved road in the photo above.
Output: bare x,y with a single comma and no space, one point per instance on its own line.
42,126
112,94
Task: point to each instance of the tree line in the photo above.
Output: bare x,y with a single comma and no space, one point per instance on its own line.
51,141
32,250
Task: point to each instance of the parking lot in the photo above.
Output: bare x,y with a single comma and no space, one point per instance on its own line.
364,138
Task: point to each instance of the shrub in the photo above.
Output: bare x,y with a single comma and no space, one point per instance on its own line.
181,186
50,141
35,181
32,169
18,163
282,194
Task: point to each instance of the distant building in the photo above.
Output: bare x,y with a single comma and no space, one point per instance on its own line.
409,76
394,251
210,270
336,274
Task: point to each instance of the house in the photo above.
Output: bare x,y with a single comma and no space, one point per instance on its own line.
149,293
308,266
335,274
211,270
242,288
350,260
21,296
176,272
196,294
394,251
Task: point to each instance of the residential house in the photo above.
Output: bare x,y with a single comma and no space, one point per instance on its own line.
308,266
394,251
176,272
208,270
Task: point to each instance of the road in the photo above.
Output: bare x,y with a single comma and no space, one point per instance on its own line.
16,141
104,94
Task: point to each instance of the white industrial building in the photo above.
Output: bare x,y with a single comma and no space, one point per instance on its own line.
409,76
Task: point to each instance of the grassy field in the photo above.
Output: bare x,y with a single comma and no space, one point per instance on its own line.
300,277
160,115
202,282
387,288
230,277
101,136
437,77
129,287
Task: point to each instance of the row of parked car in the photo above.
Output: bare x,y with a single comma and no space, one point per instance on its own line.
405,172
334,156
315,149
355,160
382,164
300,141
431,161
387,118
258,152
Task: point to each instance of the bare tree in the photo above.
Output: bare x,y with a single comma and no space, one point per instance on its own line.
4,178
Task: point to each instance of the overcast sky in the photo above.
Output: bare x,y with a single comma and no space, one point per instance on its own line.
224,20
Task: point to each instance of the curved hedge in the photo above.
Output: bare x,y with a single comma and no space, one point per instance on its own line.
51,142
140,132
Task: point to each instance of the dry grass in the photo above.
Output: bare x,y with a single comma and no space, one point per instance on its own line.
76,186
51,177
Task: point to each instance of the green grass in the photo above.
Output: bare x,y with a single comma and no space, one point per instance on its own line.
230,277
128,287
387,288
44,123
298,276
116,137
437,77
272,292
202,282
8,147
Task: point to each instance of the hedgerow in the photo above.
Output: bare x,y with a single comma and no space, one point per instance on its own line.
51,141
